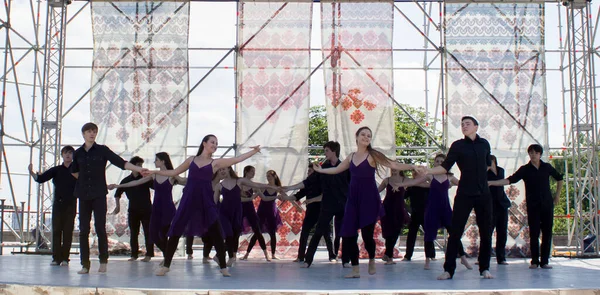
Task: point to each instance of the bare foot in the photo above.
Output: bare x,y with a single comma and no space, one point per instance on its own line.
231,261
385,258
102,268
405,259
445,276
427,260
546,266
390,262
465,262
533,266
372,269
354,274
190,257
225,272
146,259
161,271
245,257
487,275
132,259
205,260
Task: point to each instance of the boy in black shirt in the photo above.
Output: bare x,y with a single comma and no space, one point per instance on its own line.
89,164
139,210
540,202
63,205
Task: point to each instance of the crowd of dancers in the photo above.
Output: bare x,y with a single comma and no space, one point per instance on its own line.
217,204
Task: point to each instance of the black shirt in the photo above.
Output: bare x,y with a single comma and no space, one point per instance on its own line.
64,184
310,192
473,159
497,192
537,182
91,166
139,196
418,199
334,187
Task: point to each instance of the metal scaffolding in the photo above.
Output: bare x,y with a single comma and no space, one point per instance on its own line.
47,63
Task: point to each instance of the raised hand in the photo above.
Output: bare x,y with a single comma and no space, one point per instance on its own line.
256,148
420,169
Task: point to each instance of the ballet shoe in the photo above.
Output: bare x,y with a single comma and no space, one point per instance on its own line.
465,262
372,269
225,272
487,275
445,276
354,274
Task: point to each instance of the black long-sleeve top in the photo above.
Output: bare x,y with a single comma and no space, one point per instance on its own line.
138,196
473,159
537,182
334,187
418,199
497,192
91,165
64,184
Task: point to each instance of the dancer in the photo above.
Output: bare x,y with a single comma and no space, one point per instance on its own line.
540,202
89,167
313,200
63,205
438,213
230,209
335,189
395,214
500,205
364,202
249,216
163,208
418,196
197,213
268,213
207,245
472,155
139,210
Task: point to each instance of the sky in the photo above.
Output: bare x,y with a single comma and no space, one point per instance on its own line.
211,105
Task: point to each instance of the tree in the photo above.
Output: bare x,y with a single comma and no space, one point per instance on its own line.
408,133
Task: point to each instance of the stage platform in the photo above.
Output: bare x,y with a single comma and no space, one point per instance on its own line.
32,274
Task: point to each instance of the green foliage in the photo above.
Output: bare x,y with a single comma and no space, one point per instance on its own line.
317,129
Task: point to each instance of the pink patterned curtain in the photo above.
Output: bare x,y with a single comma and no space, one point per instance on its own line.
357,49
139,94
273,70
496,72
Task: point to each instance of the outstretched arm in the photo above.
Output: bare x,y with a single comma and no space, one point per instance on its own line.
131,183
413,181
172,173
400,166
180,180
500,182
383,184
454,180
43,177
262,186
334,170
226,162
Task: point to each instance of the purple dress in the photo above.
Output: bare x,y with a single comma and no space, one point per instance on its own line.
438,212
249,216
230,210
364,203
395,214
197,210
268,215
163,209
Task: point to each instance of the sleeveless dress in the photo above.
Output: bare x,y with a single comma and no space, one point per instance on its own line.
230,210
438,212
364,203
163,209
268,215
197,210
249,216
395,214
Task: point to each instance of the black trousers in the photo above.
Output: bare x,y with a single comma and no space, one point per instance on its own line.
351,244
214,233
257,237
430,248
96,206
540,218
189,243
417,219
63,221
135,219
463,205
160,239
324,227
500,223
311,216
232,243
390,242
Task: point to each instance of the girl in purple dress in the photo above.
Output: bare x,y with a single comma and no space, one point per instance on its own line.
197,213
250,218
163,208
396,215
438,212
268,214
230,209
363,206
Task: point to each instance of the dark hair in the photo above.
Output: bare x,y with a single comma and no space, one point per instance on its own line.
89,126
311,166
443,156
494,159
67,149
378,156
248,169
136,160
535,148
205,139
334,146
165,158
216,173
470,118
274,174
232,173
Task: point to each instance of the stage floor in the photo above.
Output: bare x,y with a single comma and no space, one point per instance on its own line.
28,274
